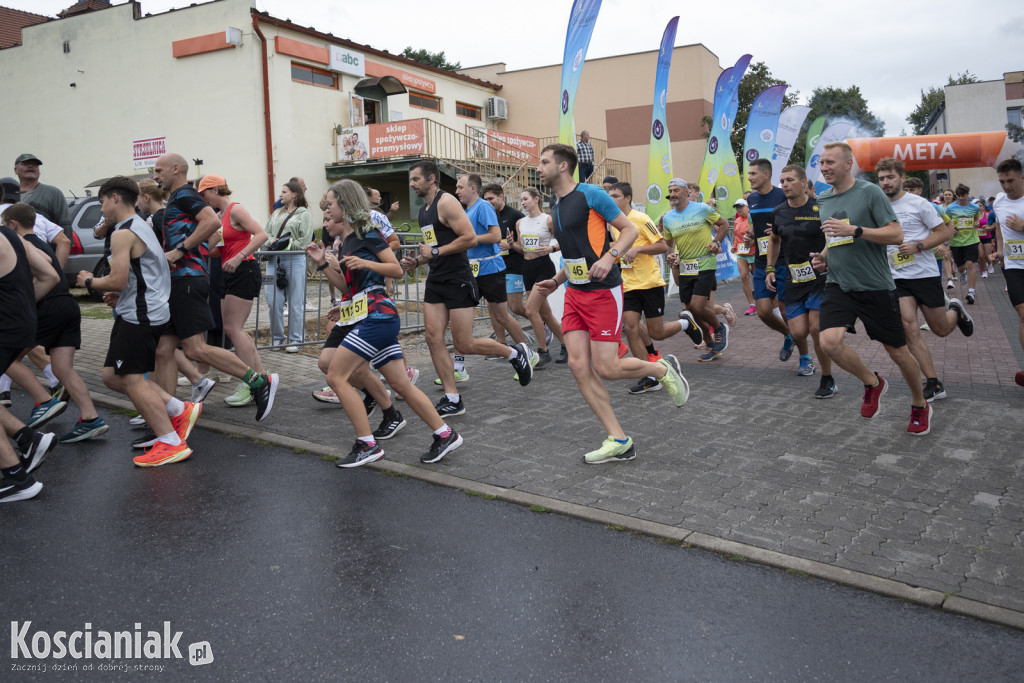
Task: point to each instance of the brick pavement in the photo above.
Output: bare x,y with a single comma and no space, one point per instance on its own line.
751,458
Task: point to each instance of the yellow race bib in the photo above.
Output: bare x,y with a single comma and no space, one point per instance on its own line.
1014,249
429,236
579,271
802,272
689,267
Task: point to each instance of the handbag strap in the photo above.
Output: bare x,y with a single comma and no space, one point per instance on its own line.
288,218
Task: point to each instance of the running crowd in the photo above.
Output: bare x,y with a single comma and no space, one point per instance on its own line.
857,251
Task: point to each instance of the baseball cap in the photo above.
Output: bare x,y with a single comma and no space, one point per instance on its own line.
677,182
210,181
10,188
610,179
28,157
740,202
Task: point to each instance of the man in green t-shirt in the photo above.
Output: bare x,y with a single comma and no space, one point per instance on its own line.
964,214
858,221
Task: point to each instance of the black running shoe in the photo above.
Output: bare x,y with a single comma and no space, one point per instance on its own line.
563,356
934,390
59,392
545,358
361,454
264,394
145,441
692,330
963,320
388,428
826,388
644,385
522,364
446,408
42,445
12,489
370,403
5,399
441,447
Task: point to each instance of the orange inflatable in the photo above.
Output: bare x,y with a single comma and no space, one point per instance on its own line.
929,152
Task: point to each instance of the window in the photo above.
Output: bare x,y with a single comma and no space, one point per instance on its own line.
308,74
1014,116
468,111
423,101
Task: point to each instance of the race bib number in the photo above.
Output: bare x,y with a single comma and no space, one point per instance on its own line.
579,271
504,251
964,223
531,242
1014,249
689,266
762,245
623,264
429,236
802,272
898,260
836,241
474,266
351,312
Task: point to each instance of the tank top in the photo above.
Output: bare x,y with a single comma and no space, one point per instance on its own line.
451,266
534,233
144,299
61,288
17,299
235,240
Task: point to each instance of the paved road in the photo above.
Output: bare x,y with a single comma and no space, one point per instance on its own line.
293,569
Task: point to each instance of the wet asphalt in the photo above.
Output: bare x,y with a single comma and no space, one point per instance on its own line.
291,568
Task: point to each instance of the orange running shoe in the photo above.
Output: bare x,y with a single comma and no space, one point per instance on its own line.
623,350
654,357
184,423
163,454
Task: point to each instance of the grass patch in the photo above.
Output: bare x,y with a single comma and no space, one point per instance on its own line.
127,412
669,541
736,558
797,572
98,312
330,458
389,473
539,509
614,527
300,451
478,494
262,442
684,544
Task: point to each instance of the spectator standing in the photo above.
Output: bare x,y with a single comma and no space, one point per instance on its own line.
46,199
585,154
293,218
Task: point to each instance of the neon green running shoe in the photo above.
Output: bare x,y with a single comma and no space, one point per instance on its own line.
241,397
611,451
460,377
674,382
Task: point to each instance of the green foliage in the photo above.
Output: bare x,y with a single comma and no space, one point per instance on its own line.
435,59
1015,132
930,100
845,103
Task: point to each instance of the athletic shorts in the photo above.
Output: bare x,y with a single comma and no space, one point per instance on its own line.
701,284
514,283
927,291
59,323
338,333
962,255
878,310
811,302
761,290
536,270
1015,285
748,259
597,311
132,348
190,310
452,293
245,282
492,287
650,302
7,357
986,239
376,340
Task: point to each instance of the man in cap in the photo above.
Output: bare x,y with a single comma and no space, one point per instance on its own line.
608,182
46,199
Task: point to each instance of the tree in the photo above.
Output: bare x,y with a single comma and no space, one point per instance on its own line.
845,104
931,99
435,59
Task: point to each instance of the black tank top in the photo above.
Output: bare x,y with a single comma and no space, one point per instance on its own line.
17,299
451,266
61,288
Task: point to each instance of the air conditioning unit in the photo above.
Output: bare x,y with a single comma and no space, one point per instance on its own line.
497,108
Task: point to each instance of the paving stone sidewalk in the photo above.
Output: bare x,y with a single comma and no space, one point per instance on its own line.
752,457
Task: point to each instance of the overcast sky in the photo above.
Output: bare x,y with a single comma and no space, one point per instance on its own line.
890,49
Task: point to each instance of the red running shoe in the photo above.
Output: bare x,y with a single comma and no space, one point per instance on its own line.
920,420
869,408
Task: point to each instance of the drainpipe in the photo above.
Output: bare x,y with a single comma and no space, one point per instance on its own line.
266,109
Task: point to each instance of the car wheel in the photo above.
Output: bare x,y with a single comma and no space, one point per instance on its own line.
101,269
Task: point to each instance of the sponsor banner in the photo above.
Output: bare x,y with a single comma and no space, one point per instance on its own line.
659,164
762,128
720,177
813,135
834,133
347,62
929,152
505,146
725,262
577,39
380,140
146,151
790,122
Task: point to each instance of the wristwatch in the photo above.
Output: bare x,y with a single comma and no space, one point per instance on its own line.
858,232
88,283
434,251
920,247
614,253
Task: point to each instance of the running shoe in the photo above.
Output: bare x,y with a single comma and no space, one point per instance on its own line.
460,376
137,421
925,327
163,454
523,363
1019,379
970,296
42,445
721,339
692,330
730,315
920,420
611,451
950,285
707,357
543,358
59,392
145,441
184,423
413,374
751,310
563,356
962,276
675,384
12,490
787,348
388,428
644,385
806,368
442,446
991,270
85,430
446,408
548,335
934,390
872,395
362,453
44,412
827,388
241,397
623,350
291,349
5,399
326,395
984,274
963,320
202,390
264,394
654,357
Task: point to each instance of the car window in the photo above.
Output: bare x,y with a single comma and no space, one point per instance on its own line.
89,216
